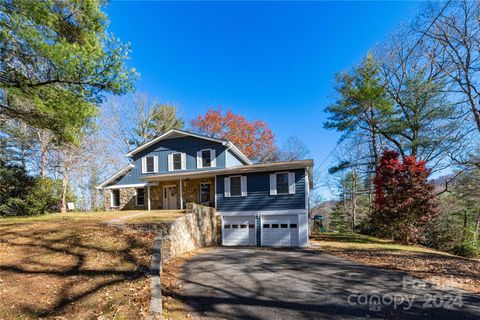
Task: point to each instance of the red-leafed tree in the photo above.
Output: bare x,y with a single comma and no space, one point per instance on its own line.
404,198
253,138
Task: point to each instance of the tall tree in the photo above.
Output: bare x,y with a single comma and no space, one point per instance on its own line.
293,149
137,118
456,33
56,59
362,104
254,138
404,198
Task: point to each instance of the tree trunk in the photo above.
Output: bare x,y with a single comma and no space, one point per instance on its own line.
63,207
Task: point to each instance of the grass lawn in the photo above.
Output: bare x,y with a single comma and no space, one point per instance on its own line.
435,266
73,266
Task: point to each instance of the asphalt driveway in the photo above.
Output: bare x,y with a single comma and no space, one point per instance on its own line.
253,283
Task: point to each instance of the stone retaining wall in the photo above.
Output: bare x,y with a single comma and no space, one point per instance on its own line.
198,228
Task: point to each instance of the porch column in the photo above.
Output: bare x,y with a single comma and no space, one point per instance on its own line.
181,194
148,195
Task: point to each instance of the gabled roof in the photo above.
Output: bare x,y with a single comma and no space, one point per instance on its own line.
175,133
115,176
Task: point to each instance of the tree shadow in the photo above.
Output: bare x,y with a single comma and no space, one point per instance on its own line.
79,261
244,283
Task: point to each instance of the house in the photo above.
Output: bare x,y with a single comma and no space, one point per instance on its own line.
259,204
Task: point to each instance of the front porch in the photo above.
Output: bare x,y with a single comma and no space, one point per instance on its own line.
174,194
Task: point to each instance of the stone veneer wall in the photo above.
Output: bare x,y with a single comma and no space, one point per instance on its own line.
198,228
127,200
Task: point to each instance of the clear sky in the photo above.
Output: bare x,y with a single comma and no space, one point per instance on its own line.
272,61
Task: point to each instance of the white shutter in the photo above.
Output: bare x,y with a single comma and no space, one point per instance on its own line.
144,165
184,161
291,182
227,187
273,184
199,159
155,163
170,161
213,158
243,184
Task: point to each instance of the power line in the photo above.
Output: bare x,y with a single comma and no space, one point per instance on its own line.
398,67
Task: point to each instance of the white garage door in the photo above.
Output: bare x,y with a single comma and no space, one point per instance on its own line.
279,231
238,231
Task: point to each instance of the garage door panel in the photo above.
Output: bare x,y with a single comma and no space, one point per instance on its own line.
280,231
239,231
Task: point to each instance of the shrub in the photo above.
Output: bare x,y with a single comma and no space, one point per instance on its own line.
44,196
470,247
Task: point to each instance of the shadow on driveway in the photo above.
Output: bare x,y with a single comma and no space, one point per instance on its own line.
254,283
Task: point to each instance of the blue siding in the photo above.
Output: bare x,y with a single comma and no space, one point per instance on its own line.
189,145
258,194
232,160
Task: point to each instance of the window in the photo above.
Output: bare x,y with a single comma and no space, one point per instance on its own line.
251,226
206,159
284,225
205,193
293,225
235,226
274,225
115,197
227,226
140,197
243,226
266,226
235,186
282,183
177,161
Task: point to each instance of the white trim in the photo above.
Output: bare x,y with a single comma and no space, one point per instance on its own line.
213,158
186,133
181,194
183,161
155,164
215,179
136,185
243,186
226,187
146,166
265,212
291,183
243,180
171,162
149,203
116,175
111,199
213,162
276,180
163,196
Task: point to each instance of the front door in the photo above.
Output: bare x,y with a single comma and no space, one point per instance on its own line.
170,197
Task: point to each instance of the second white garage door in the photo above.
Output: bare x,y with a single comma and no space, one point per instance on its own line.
238,231
280,231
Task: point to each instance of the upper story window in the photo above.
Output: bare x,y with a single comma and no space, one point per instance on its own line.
282,183
149,164
206,158
177,161
235,186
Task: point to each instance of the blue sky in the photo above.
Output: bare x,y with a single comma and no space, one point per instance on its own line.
272,61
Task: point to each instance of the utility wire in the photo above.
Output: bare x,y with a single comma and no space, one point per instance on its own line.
398,67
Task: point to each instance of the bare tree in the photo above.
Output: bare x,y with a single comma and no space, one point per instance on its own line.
293,149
